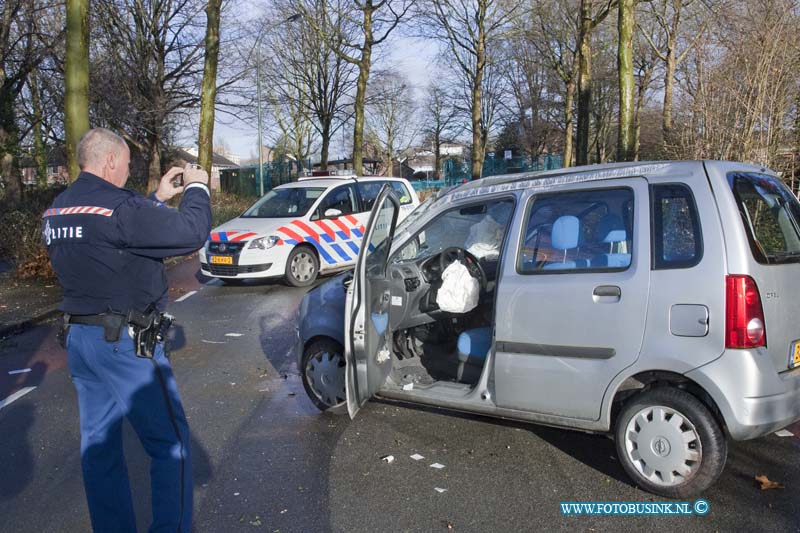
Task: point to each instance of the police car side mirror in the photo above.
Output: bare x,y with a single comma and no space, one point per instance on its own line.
332,213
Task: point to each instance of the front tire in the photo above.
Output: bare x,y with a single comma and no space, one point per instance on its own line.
302,267
322,371
669,443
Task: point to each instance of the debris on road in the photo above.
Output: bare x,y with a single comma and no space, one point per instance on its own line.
233,334
408,386
767,484
213,342
388,459
20,371
292,394
417,457
437,466
439,490
784,433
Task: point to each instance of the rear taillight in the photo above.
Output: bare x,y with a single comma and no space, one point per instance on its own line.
744,317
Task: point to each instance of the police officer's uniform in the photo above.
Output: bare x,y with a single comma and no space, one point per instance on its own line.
107,244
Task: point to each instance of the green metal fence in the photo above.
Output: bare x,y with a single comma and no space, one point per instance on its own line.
244,181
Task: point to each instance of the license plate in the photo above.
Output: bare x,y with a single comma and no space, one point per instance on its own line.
221,260
794,359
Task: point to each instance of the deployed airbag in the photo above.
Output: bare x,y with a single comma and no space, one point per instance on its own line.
459,291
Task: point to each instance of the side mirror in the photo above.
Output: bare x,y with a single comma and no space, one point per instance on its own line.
332,213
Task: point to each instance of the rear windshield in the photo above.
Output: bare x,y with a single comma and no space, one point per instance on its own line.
288,202
770,214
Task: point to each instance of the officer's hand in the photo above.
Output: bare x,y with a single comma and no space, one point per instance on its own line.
166,188
194,175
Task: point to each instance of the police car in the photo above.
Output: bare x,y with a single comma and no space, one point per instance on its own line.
299,230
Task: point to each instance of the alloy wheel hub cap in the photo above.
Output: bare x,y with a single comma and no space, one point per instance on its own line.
663,445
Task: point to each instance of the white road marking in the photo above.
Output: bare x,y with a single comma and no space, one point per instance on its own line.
16,396
20,371
185,296
233,334
784,433
213,342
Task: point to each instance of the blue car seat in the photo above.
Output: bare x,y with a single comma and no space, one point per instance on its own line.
473,347
612,232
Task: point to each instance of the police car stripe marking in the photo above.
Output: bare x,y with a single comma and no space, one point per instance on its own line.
325,255
353,247
342,254
342,226
243,236
351,219
328,231
358,233
305,227
291,234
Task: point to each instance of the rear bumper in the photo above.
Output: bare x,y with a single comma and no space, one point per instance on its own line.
754,399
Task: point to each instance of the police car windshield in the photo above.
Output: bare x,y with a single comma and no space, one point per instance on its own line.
281,203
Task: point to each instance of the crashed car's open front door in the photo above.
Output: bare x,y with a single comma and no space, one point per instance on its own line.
368,303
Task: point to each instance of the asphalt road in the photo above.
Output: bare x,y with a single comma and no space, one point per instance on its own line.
264,458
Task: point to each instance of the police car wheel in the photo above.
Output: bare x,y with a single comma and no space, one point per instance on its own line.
322,372
669,443
302,267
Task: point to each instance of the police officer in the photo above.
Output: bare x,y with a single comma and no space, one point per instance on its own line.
107,245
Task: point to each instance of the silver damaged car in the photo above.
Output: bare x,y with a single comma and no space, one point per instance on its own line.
656,302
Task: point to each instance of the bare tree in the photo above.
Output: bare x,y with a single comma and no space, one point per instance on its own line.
23,46
76,97
208,97
674,18
391,126
554,34
352,29
295,129
589,21
302,66
440,123
469,29
626,25
161,42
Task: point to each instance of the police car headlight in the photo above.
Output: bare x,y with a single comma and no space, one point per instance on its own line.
264,243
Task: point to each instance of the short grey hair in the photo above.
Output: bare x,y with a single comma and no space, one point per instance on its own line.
96,144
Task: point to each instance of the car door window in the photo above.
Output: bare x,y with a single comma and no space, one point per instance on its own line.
401,191
677,239
577,232
368,190
341,198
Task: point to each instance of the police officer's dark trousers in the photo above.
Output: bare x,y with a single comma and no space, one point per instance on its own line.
112,383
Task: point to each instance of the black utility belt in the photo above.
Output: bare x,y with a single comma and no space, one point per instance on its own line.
149,328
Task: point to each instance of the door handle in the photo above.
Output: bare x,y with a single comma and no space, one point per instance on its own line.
606,293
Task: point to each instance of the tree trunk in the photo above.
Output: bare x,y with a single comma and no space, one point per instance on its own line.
9,147
437,157
669,83
76,80
569,102
326,144
154,162
625,27
584,83
478,147
39,148
358,128
205,141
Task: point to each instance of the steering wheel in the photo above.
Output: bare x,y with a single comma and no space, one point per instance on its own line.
454,253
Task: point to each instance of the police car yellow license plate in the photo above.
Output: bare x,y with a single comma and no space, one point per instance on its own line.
221,260
794,360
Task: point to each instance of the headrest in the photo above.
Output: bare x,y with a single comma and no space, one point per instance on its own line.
566,232
610,229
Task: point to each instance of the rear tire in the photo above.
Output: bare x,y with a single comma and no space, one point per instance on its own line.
669,443
302,267
322,372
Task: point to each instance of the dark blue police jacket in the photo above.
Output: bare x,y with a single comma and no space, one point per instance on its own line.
107,244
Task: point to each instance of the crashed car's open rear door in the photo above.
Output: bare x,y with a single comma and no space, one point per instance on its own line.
368,303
